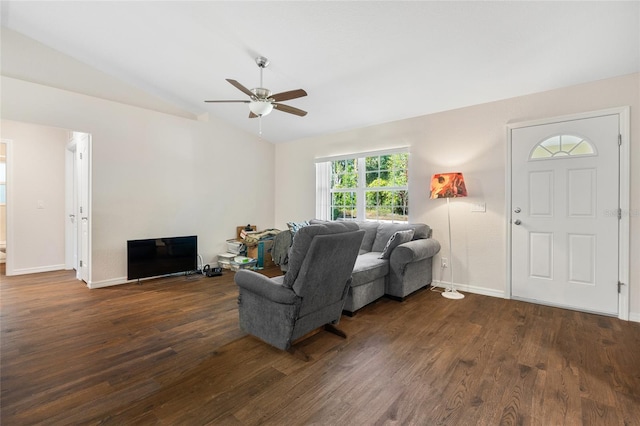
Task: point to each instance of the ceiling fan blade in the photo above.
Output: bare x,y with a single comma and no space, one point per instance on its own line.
244,102
291,94
289,109
240,87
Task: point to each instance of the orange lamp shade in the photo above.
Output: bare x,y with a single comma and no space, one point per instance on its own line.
448,185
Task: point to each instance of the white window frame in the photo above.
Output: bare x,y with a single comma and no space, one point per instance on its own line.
323,183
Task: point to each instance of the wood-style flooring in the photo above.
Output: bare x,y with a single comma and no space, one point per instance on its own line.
169,351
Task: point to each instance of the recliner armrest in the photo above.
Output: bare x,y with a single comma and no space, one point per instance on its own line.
414,251
269,288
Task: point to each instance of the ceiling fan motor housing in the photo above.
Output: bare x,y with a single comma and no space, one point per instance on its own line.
261,92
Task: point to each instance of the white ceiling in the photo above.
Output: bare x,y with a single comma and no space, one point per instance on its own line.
362,63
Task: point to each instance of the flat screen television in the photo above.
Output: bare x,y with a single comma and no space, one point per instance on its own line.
161,256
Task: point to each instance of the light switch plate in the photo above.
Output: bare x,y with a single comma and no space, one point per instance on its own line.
479,207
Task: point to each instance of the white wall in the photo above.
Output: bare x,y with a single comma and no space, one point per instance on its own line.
471,140
38,196
154,174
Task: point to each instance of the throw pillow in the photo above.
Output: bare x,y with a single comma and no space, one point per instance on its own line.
295,226
399,237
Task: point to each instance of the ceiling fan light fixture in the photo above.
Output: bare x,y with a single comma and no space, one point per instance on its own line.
260,108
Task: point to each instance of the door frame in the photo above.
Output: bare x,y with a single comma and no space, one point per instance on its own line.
84,172
9,207
624,195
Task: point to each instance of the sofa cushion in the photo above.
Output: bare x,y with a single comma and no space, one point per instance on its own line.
295,226
370,230
420,231
368,267
386,230
398,237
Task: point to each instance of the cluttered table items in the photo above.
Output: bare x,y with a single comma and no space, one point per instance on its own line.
251,249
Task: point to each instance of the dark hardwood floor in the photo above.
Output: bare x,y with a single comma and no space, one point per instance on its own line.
169,351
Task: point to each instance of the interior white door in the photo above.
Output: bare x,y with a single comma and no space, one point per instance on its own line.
71,207
564,214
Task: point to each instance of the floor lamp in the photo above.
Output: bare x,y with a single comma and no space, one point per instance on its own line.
449,185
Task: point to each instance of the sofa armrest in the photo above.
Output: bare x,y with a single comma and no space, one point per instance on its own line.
269,288
414,251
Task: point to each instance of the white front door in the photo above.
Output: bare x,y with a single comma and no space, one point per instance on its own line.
564,213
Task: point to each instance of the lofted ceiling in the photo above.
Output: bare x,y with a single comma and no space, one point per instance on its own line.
361,63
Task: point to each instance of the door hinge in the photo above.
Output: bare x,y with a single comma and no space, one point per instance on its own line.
619,214
80,209
618,283
81,156
619,139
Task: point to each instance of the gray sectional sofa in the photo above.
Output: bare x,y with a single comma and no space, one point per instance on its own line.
406,267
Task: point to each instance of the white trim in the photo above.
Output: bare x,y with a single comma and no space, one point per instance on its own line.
90,205
9,225
353,155
123,280
568,117
625,204
108,283
323,192
39,269
625,179
467,288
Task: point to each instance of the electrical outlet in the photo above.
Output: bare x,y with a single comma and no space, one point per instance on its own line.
444,262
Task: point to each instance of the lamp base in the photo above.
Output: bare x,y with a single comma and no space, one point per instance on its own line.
452,294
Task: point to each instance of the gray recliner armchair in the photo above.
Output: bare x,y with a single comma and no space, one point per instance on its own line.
312,293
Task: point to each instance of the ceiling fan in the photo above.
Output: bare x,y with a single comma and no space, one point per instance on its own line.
261,101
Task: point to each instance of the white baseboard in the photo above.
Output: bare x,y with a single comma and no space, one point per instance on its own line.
107,283
116,281
462,288
38,269
634,316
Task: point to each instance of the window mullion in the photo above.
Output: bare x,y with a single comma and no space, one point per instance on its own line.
360,192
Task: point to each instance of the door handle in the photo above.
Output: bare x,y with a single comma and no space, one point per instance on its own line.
517,222
517,210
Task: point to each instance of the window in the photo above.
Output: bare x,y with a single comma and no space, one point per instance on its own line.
562,146
369,187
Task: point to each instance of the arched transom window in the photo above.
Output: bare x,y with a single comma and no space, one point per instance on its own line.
560,146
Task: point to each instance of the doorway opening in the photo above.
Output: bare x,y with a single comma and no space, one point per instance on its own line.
77,205
4,148
45,199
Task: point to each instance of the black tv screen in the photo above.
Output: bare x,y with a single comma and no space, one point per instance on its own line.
161,256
